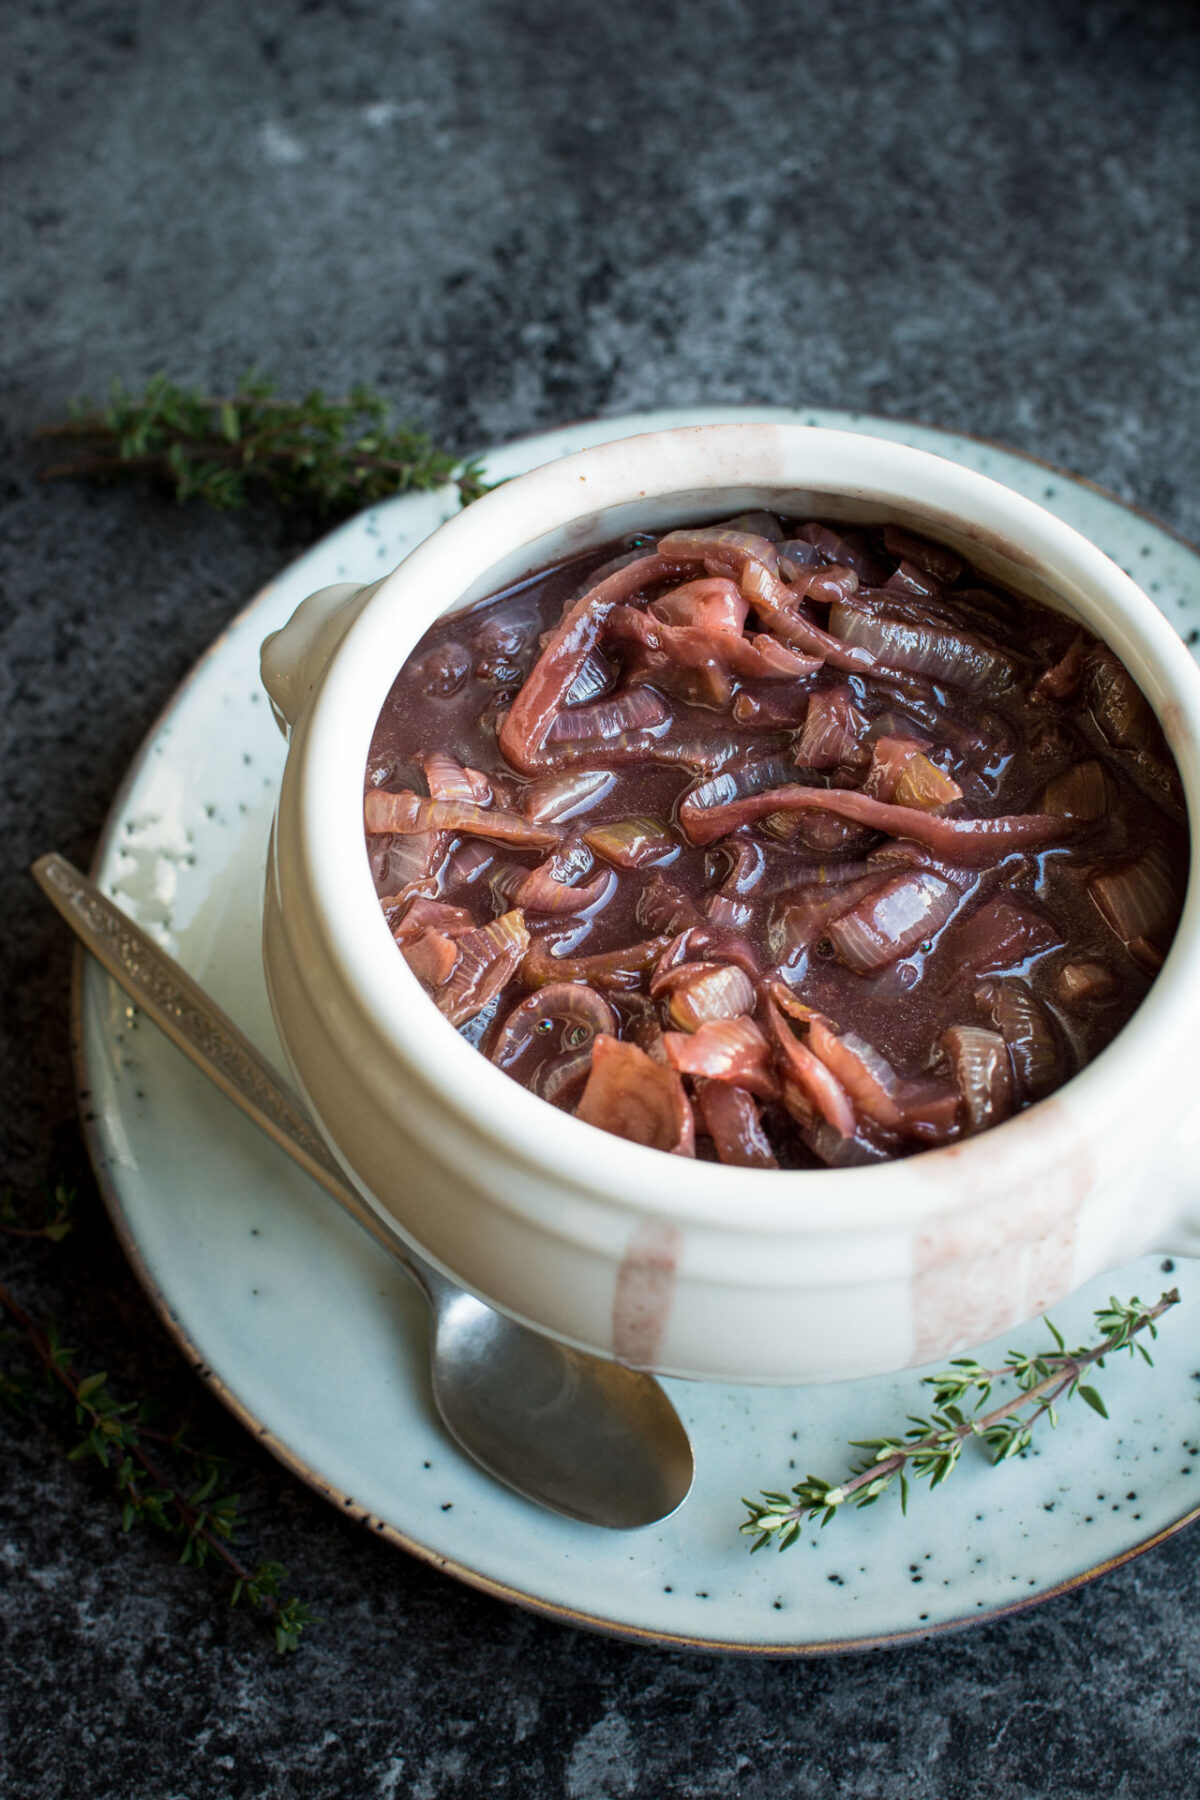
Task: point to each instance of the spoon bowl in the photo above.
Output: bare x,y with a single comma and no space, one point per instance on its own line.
593,1440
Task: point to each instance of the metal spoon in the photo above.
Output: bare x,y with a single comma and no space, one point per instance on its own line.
584,1437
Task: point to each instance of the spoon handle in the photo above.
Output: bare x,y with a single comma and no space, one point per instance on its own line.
181,1008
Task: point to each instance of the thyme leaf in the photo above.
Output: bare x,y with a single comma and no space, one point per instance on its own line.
930,1449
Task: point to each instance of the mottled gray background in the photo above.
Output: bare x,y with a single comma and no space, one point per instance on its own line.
508,215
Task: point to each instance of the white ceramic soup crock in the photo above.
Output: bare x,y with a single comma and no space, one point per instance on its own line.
684,1267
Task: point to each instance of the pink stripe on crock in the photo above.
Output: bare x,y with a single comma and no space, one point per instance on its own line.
1011,1255
644,1293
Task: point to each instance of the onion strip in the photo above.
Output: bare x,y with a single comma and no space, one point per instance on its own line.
974,842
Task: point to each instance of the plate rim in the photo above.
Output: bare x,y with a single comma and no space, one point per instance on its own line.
244,1414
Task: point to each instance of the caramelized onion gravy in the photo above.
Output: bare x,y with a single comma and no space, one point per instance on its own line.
776,842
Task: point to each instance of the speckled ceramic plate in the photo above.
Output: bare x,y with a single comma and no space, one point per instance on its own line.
317,1343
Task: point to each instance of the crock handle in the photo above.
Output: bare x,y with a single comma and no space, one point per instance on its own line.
292,660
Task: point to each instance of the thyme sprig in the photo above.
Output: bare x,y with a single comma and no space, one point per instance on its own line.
50,1219
329,455
160,1478
931,1448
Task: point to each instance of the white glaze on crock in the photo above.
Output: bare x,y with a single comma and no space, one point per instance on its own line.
783,1276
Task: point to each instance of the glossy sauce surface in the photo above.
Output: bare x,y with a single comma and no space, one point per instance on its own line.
818,962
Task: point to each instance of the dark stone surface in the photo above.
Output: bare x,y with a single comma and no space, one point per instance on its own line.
508,215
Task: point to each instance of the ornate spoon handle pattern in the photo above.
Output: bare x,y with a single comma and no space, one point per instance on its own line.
205,1033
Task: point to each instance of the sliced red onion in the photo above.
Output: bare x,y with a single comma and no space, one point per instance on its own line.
889,758
847,549
442,671
663,907
432,957
824,587
407,864
1140,899
895,919
391,813
1026,1028
756,573
596,676
635,709
973,842
911,580
637,843
725,1050
838,1152
711,755
700,940
558,797
790,1003
700,992
788,875
901,773
731,785
762,657
714,544
471,860
731,1118
816,831
833,731
1085,792
982,1074
1120,708
808,1086
727,914
1002,933
540,890
798,558
568,1005
570,860
778,607
543,695
631,1095
705,651
934,558
712,604
782,709
488,958
747,865
562,1079
756,523
449,780
1148,957
806,913
914,1107
1087,982
932,650
422,913
903,853
616,971
924,786
629,750
797,1102
405,812
813,576
1062,681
